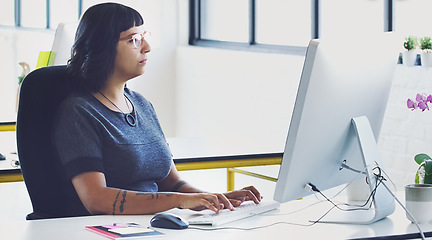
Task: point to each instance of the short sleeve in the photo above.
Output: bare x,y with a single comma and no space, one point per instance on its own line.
76,138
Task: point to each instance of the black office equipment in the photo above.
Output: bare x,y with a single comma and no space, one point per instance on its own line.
41,93
168,220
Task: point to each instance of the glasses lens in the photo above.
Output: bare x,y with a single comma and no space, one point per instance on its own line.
137,40
147,35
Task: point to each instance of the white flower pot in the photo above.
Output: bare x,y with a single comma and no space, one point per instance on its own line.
418,201
426,59
409,58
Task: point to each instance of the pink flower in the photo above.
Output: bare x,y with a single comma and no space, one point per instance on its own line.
423,106
421,101
411,104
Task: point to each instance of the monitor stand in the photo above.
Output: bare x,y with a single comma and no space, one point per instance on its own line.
383,202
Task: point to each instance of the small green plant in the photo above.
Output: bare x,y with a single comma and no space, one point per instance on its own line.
426,44
25,70
424,172
410,43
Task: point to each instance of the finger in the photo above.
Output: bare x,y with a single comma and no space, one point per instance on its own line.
254,191
209,205
235,202
225,201
251,196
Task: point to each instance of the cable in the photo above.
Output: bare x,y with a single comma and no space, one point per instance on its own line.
248,229
407,211
380,180
360,207
360,173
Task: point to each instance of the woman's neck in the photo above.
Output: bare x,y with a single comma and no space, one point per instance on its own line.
112,96
114,89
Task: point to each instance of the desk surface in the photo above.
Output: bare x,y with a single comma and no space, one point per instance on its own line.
16,205
188,153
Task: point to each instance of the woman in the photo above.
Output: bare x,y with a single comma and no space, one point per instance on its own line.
108,137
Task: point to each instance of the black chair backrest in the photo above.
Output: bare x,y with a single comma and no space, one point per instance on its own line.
41,93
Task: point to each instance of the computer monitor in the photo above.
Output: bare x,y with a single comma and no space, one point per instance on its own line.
62,44
336,121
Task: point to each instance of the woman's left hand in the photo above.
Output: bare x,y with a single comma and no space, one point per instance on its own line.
237,197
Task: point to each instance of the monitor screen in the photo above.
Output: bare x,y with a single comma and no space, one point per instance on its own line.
342,80
62,44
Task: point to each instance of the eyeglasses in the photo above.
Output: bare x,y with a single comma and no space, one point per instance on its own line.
137,38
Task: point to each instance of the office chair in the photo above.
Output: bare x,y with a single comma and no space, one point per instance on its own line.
41,93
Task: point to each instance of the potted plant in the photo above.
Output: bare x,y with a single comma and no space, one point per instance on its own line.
25,70
424,172
417,196
426,55
409,57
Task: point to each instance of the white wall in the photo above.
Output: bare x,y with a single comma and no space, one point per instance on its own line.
157,84
18,46
244,99
406,133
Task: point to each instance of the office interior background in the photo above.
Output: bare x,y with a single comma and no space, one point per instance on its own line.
231,70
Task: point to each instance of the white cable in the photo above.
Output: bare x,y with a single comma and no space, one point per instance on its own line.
407,211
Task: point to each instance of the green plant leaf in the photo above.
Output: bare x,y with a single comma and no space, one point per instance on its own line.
411,43
428,172
421,157
425,43
420,174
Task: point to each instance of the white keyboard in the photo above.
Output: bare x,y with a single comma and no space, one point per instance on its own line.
225,216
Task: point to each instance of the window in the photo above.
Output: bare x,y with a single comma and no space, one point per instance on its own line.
250,24
342,17
7,13
33,13
39,13
233,26
64,11
283,22
283,25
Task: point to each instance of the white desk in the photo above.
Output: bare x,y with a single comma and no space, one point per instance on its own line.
9,172
14,205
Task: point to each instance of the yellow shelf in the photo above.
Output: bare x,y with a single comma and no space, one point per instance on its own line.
7,127
231,165
11,177
183,166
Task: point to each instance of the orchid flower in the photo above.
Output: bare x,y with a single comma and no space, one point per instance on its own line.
421,101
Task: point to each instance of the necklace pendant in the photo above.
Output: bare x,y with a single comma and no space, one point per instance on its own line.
130,119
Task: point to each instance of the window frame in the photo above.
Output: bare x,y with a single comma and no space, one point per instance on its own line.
18,15
196,40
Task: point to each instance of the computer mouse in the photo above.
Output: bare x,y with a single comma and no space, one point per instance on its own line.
168,220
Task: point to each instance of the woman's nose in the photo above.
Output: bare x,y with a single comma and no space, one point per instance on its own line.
145,47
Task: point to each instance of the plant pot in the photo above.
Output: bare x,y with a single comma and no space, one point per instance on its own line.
418,198
409,58
426,59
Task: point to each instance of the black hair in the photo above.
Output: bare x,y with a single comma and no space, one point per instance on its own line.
95,48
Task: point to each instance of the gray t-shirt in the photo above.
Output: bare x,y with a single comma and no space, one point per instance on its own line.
91,137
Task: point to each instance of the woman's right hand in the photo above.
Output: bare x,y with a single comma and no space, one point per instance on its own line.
201,201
